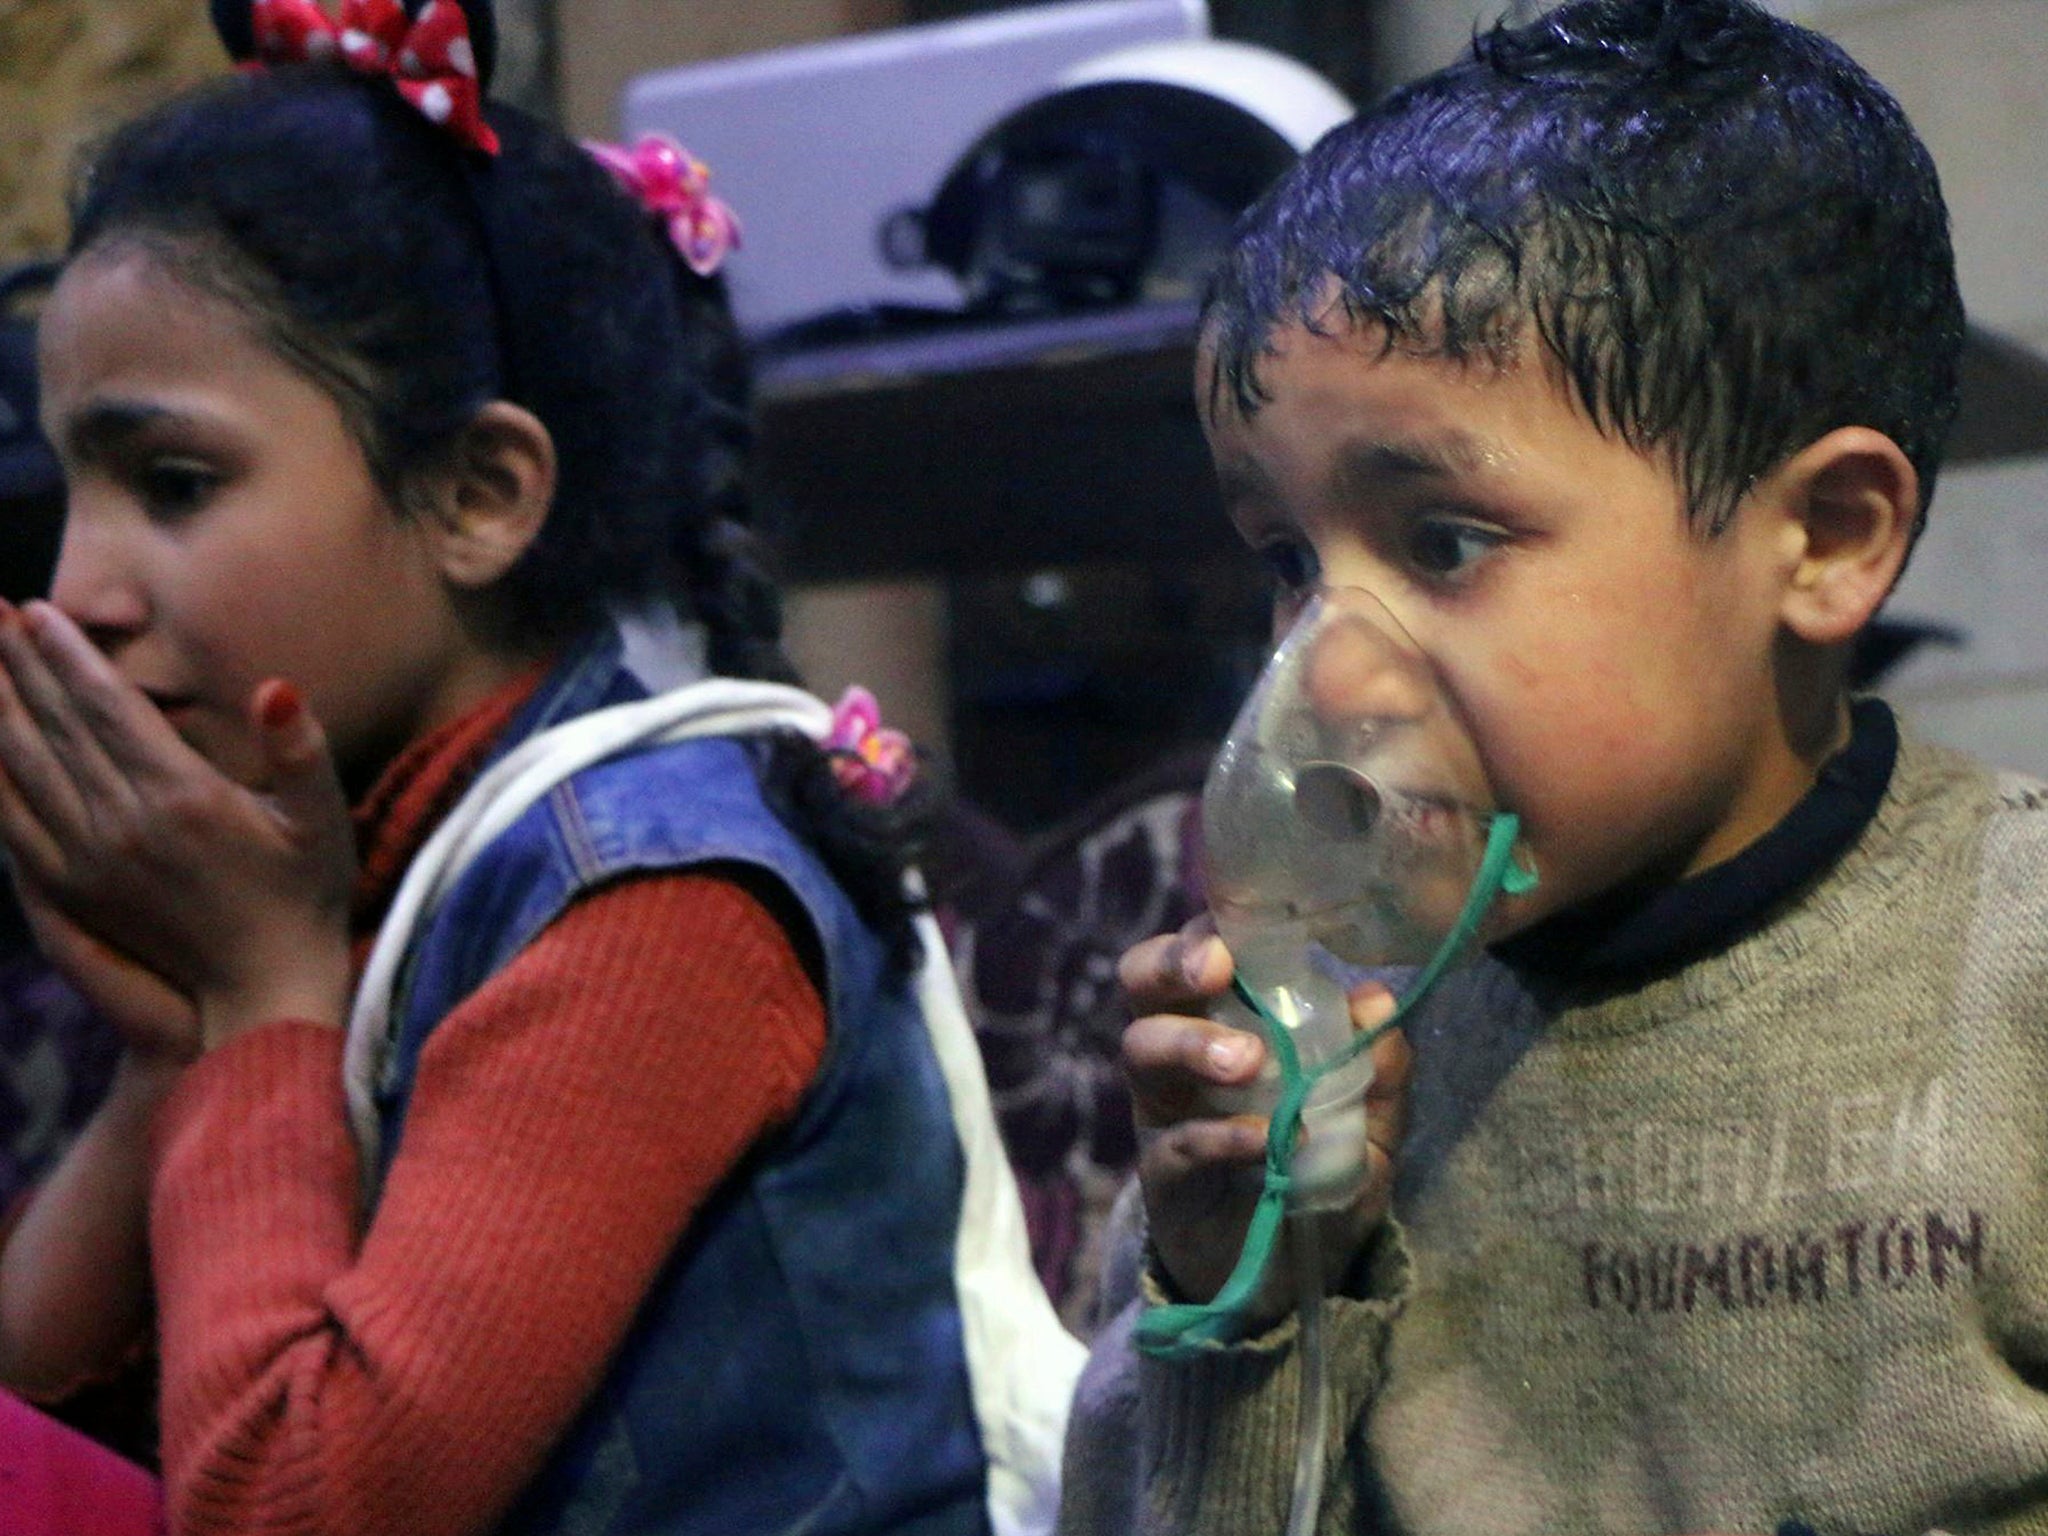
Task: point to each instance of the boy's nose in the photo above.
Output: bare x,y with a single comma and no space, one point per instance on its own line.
1358,674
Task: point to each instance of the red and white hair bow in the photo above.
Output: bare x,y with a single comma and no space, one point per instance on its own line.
428,57
671,183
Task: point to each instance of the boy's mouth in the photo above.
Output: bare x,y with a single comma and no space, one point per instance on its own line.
1426,817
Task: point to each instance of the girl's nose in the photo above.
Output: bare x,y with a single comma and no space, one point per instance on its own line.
94,586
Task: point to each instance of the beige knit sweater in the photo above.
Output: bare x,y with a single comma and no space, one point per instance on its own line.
1766,1240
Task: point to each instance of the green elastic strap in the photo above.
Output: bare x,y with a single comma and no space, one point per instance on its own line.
1181,1330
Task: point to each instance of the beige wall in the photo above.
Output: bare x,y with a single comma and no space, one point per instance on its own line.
604,43
69,71
1973,76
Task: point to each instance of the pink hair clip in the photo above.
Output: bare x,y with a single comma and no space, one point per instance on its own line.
671,183
872,762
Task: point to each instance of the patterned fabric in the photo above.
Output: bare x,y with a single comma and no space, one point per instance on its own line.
56,1059
1036,951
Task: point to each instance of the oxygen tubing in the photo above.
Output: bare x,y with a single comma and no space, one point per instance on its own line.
1181,1331
1312,1426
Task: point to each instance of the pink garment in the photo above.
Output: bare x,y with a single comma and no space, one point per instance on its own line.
56,1482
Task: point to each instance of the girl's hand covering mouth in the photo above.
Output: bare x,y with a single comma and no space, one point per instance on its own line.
149,865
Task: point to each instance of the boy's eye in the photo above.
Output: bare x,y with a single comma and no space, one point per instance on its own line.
1446,546
172,488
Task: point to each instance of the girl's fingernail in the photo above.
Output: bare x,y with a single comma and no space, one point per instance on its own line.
1194,960
282,707
1230,1053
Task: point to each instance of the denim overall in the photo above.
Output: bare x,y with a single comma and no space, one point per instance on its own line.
798,1364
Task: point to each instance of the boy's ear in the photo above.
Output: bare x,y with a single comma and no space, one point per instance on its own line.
1848,503
490,499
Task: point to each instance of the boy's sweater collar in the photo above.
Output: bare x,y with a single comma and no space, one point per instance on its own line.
1620,942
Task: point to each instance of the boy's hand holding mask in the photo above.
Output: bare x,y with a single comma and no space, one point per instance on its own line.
1199,1163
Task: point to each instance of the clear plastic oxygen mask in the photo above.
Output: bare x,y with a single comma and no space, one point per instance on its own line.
1346,831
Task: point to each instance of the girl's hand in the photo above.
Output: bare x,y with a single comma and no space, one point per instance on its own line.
157,1021
234,899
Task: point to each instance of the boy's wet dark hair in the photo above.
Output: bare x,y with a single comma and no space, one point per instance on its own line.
1723,230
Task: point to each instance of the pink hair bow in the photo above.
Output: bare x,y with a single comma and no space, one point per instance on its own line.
428,57
674,185
873,763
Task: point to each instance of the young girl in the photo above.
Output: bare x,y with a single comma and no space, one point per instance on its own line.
403,442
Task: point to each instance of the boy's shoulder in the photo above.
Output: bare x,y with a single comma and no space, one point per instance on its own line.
1955,862
1948,780
2020,793
2015,856
2004,815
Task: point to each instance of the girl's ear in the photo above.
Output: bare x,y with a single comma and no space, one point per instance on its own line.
489,502
1849,503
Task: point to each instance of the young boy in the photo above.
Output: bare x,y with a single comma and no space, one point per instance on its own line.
1616,361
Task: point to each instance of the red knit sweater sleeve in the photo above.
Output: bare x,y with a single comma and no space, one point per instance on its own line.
568,1119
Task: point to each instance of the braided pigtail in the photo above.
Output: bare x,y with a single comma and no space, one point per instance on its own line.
721,552
722,560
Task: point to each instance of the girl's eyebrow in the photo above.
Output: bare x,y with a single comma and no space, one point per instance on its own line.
104,425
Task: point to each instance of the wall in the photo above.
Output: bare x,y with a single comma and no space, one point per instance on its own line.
1973,76
601,44
69,71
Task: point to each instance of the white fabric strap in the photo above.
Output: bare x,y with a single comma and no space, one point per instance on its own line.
500,797
1021,1361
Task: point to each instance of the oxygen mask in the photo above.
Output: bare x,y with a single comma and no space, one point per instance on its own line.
1348,834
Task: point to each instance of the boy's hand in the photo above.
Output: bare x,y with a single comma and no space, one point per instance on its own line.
1201,1166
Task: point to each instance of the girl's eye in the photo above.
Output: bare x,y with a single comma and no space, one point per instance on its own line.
173,488
1446,547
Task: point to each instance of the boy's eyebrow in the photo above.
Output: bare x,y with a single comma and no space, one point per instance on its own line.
106,424
1368,462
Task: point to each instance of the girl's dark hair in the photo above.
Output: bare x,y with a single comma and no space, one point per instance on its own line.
1724,231
415,281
